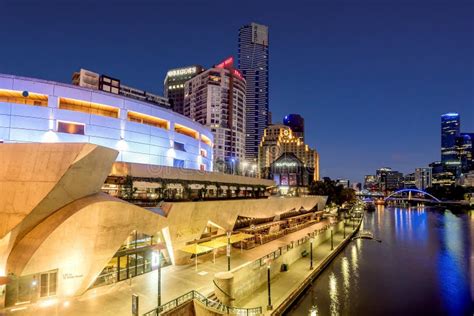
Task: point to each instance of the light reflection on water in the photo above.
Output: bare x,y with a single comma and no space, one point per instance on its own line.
420,268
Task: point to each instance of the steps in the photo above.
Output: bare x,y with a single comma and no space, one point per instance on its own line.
213,302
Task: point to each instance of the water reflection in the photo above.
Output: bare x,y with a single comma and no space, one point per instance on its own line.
422,267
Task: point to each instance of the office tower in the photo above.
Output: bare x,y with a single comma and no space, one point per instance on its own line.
450,126
174,85
253,62
296,123
389,180
370,183
423,178
465,147
216,98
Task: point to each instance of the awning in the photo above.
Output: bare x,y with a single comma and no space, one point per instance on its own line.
235,238
174,186
211,187
224,187
215,243
196,186
195,249
146,185
233,188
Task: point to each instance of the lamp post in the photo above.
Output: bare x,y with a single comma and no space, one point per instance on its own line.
269,263
228,250
311,239
158,247
344,227
332,243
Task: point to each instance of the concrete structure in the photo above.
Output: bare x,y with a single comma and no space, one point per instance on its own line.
92,80
174,85
58,231
277,140
253,59
423,178
216,98
33,110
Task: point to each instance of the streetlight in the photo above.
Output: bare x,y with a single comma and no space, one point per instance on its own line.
311,239
332,244
228,250
232,160
344,221
244,167
157,262
269,263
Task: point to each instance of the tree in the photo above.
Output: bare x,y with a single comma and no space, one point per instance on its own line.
336,193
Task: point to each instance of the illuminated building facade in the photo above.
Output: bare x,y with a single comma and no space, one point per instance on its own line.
389,180
296,123
33,110
423,178
253,59
216,98
279,140
450,130
174,85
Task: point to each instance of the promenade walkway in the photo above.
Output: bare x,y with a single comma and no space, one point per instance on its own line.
115,299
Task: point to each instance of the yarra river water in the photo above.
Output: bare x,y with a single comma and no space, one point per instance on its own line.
423,266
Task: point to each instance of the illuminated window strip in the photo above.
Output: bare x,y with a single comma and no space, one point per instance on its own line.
88,107
178,128
14,96
148,120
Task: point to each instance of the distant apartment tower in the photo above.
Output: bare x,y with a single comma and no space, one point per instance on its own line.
423,178
216,98
296,123
174,85
370,183
344,182
92,80
253,61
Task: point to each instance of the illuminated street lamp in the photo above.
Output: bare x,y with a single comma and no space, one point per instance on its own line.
332,243
311,240
268,262
156,262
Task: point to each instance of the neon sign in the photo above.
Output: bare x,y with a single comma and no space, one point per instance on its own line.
181,72
229,62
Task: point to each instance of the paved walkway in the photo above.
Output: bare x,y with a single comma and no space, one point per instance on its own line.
115,299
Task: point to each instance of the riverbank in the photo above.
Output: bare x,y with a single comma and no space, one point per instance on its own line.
287,286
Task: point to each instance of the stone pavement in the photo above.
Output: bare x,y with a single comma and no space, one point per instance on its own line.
286,282
115,299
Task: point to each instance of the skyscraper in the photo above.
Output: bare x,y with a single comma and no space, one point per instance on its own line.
296,123
216,98
253,62
450,126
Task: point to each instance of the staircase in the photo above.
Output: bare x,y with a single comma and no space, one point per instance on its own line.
213,301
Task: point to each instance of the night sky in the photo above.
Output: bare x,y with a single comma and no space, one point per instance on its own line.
371,78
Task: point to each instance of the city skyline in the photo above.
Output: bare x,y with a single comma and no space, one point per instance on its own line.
372,86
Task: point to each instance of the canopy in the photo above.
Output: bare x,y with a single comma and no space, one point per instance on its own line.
235,238
195,249
215,243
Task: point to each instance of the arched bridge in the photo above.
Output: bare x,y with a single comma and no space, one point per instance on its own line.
399,195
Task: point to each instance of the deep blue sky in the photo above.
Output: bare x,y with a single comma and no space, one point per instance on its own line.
371,78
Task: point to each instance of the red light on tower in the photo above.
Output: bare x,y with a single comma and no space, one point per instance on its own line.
228,63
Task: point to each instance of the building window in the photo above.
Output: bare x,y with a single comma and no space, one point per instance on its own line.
178,163
48,282
202,167
147,119
71,128
88,107
23,97
178,146
204,153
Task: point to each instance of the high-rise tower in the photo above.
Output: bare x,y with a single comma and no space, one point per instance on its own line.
253,62
450,130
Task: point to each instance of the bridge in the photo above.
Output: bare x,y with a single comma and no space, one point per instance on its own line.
407,195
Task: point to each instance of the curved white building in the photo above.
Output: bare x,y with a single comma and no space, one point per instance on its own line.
33,110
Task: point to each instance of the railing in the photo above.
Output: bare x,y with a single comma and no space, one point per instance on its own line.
222,291
209,303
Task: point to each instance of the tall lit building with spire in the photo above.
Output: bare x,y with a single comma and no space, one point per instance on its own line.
253,61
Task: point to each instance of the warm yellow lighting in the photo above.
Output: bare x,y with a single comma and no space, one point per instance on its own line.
23,97
186,131
88,107
147,119
206,140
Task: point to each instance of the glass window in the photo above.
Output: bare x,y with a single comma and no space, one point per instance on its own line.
70,128
178,163
179,146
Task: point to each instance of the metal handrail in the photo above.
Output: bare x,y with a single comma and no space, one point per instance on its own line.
226,294
194,295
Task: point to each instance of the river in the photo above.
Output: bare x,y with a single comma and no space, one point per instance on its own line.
423,266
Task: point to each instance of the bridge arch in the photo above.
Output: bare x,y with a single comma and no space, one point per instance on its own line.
412,190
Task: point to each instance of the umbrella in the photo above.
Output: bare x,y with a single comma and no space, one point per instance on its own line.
236,238
214,244
195,249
